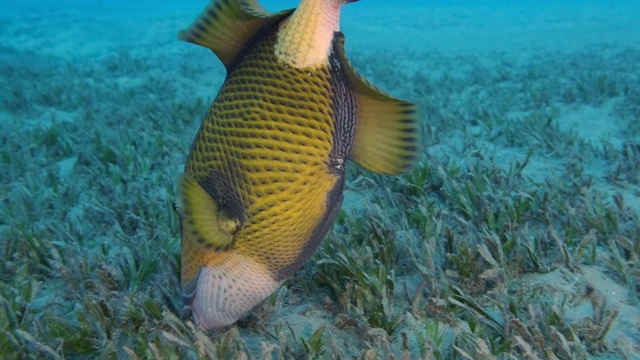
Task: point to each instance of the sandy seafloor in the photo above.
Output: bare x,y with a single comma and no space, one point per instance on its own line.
88,31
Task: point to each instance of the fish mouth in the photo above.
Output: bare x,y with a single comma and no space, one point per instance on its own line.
221,294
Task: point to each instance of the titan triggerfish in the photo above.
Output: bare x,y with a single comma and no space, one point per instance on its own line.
264,179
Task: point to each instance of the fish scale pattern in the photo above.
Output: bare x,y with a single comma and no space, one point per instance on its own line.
268,135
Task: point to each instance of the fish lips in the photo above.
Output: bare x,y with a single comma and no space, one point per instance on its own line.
221,294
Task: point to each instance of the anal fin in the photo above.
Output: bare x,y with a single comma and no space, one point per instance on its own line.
387,137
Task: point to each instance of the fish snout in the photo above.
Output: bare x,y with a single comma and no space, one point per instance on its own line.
223,293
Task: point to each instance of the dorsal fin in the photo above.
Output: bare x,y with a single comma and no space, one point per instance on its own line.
227,26
387,138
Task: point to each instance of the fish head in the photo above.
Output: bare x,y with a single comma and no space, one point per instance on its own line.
219,284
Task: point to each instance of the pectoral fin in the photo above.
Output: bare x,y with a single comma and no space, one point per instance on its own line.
202,219
387,137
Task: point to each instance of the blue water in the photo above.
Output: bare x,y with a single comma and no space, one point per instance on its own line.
429,26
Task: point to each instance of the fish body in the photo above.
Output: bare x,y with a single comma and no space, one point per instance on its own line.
264,179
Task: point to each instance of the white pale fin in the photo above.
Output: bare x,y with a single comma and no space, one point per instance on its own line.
304,40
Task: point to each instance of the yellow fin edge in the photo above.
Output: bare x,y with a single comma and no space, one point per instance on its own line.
227,26
387,138
202,220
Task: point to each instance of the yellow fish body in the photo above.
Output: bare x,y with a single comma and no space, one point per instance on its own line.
264,178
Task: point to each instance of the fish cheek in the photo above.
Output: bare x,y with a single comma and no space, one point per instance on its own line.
219,186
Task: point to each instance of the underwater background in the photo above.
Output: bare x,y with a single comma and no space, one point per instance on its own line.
516,237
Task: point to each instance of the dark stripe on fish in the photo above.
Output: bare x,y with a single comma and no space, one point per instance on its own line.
345,110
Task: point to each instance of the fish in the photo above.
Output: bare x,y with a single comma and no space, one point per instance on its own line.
264,178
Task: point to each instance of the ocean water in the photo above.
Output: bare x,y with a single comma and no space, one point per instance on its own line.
516,236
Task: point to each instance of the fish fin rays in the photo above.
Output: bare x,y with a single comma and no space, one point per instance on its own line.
201,217
227,26
387,137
